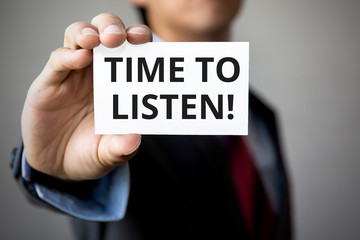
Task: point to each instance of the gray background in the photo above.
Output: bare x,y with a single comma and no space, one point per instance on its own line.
305,61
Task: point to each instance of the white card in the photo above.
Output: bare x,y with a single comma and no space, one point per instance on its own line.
192,88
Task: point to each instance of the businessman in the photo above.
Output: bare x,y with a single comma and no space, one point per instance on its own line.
182,187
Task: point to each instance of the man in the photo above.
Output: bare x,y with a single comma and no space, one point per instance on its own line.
181,186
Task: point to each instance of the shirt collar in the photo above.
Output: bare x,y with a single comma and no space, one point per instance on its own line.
156,38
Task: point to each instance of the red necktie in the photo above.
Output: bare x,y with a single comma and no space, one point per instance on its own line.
257,213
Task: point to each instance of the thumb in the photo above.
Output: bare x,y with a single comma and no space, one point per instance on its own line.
116,150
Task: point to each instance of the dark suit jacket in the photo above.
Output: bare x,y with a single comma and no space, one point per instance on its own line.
181,188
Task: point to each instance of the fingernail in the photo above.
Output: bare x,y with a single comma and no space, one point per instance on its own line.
138,30
89,31
134,149
113,29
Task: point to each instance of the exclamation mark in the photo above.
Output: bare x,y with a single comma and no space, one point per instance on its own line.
231,104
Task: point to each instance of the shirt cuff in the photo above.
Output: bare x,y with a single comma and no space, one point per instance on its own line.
104,199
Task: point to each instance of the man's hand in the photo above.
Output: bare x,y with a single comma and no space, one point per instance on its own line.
58,116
